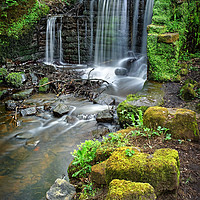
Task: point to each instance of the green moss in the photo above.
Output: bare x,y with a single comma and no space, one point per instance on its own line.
125,109
187,92
162,59
123,190
42,82
15,79
155,116
161,169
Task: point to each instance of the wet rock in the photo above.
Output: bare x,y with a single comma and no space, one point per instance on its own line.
71,119
104,116
32,142
121,72
182,123
104,99
34,78
29,111
123,190
100,132
60,110
10,105
22,94
61,190
40,109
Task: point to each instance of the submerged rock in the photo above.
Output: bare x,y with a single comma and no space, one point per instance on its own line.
61,190
182,123
60,110
29,111
123,190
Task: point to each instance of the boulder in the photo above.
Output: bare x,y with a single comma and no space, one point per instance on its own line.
104,116
156,29
61,190
160,169
182,123
29,111
22,94
60,110
127,190
151,95
187,92
98,173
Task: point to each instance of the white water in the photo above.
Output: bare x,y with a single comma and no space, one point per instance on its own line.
117,59
54,51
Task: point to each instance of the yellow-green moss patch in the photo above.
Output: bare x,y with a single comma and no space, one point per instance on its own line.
127,190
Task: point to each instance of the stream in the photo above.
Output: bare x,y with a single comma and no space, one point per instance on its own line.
36,151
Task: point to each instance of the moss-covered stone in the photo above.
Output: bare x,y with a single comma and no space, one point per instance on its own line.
98,173
15,79
42,82
182,123
168,37
156,29
127,190
187,92
155,116
161,169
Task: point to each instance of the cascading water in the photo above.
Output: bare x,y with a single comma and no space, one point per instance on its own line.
54,50
120,49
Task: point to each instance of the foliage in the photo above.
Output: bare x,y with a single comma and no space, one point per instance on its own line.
88,191
42,82
14,79
84,156
3,73
129,152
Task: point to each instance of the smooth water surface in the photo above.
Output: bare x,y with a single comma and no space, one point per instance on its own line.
36,150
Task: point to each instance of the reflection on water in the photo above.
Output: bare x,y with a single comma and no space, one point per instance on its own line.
35,153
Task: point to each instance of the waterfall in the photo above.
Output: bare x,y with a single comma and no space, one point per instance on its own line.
112,31
54,52
147,21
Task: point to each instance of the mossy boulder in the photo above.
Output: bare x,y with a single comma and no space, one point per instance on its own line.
156,29
182,123
161,169
43,81
151,95
15,79
127,190
168,37
98,173
187,92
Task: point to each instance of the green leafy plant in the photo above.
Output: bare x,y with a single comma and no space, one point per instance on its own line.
129,152
15,79
84,156
168,136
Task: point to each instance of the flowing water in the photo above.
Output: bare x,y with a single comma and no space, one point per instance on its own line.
37,151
